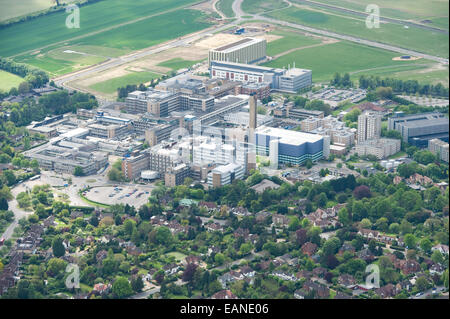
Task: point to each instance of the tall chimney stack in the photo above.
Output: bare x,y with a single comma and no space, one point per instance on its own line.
252,111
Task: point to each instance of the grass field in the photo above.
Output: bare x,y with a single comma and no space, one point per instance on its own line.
111,86
225,6
95,17
150,31
289,40
345,57
412,38
17,8
257,6
62,60
426,73
9,80
94,49
399,9
178,63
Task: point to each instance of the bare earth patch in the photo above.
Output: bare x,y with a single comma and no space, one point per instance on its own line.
410,58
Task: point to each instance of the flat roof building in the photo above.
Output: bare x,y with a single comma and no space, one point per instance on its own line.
247,50
225,174
290,81
381,148
293,147
418,129
439,147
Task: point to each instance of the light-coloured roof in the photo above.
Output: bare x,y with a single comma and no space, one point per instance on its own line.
289,136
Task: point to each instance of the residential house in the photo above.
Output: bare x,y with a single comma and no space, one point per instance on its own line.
171,269
309,248
443,249
224,294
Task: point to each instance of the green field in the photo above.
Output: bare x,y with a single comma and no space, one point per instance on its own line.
257,6
399,9
62,60
178,63
111,86
341,57
17,8
440,22
96,17
412,38
289,40
224,6
150,31
419,72
9,80
97,48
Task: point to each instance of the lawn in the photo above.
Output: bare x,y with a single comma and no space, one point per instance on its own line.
289,40
9,80
426,41
49,29
110,86
178,256
178,63
345,57
257,6
225,6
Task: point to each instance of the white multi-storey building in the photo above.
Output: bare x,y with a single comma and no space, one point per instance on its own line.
247,50
369,126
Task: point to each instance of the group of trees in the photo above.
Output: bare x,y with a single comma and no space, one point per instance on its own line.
54,103
122,92
115,173
341,81
401,86
34,77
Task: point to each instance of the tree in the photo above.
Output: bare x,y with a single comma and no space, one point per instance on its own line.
3,204
58,247
137,284
410,241
24,87
189,272
437,257
10,177
322,200
219,259
344,216
122,288
78,171
56,266
331,246
361,191
425,245
422,283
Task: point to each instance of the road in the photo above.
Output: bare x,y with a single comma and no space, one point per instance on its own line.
18,212
146,294
429,292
